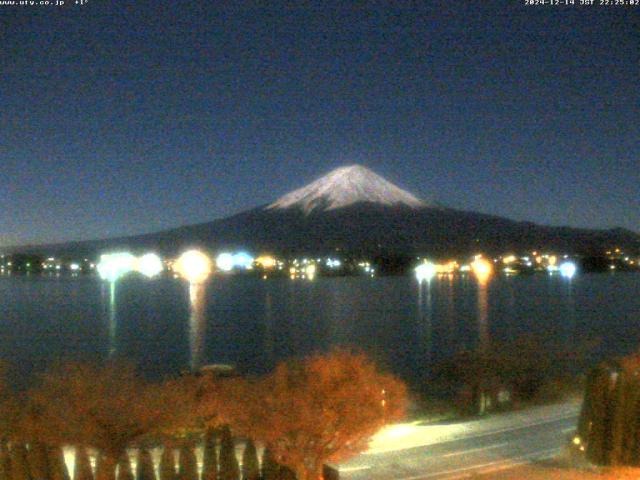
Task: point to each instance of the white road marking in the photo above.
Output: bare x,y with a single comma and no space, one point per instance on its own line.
464,452
497,465
355,469
540,455
510,429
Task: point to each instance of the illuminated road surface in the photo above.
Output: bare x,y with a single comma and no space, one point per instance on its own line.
414,452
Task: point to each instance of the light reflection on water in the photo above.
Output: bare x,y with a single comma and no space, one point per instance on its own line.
424,326
253,323
109,301
483,313
197,323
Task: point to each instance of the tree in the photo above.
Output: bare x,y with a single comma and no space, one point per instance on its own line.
476,372
10,412
5,463
124,468
229,469
609,420
320,409
270,467
188,467
38,461
250,464
100,466
145,466
82,466
195,406
19,462
210,456
523,365
103,407
57,466
167,464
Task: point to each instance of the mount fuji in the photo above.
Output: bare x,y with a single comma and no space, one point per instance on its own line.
355,211
347,186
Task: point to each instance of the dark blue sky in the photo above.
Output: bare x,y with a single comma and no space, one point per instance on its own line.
123,117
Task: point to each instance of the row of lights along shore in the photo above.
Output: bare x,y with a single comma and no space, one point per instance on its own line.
196,266
481,268
193,265
114,265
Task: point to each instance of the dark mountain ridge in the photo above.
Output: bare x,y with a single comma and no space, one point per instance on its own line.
362,228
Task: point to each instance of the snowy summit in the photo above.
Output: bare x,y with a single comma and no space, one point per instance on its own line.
346,186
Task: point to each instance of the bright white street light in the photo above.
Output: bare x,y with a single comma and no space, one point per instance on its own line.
224,262
568,269
194,266
425,272
114,265
150,265
310,271
242,260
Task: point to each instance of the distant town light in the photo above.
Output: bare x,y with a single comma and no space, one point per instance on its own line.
333,263
149,265
425,271
74,267
567,269
114,265
194,266
446,268
242,260
310,271
224,262
482,269
266,261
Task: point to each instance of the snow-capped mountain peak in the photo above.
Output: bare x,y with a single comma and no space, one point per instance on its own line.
346,186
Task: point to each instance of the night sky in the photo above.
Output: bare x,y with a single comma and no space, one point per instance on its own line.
123,117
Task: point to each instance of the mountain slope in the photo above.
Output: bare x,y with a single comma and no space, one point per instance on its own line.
353,210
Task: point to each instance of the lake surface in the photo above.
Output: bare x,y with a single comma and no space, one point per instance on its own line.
252,323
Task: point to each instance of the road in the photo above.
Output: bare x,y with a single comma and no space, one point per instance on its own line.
460,450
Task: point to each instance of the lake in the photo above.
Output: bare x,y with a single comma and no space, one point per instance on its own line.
253,323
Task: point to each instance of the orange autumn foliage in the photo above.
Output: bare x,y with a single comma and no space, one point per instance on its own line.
104,407
324,408
9,409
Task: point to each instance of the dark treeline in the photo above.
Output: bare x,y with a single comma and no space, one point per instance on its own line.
504,373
